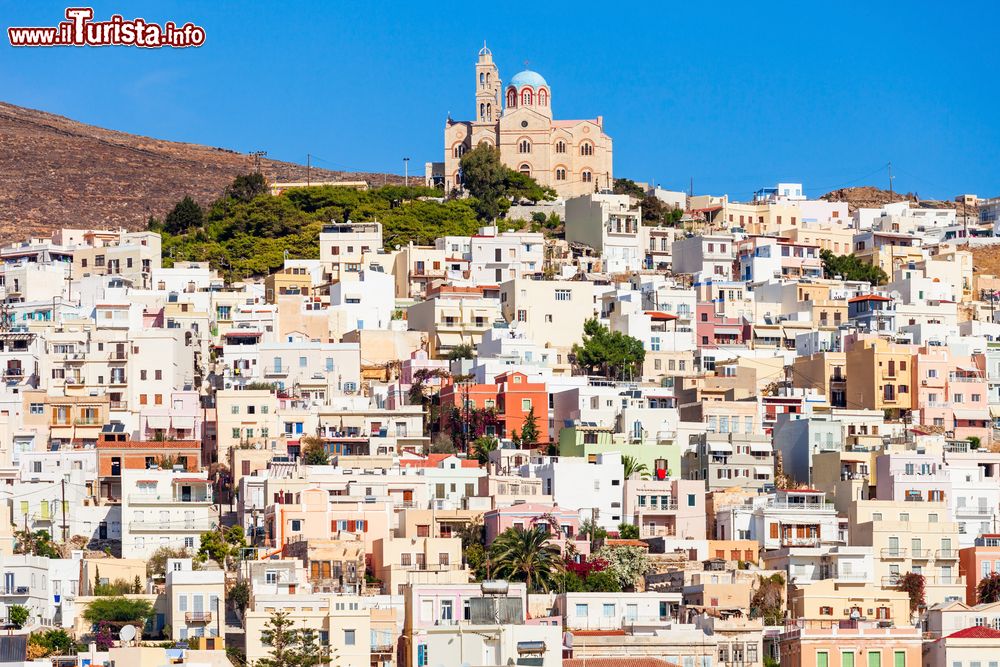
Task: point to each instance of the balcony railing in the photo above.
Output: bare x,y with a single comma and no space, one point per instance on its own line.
657,507
149,499
805,507
921,554
197,617
946,554
276,371
891,552
952,377
172,526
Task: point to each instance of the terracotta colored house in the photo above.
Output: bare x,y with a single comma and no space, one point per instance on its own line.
115,452
977,562
512,396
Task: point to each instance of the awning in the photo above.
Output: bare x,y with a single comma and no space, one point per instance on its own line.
186,423
730,331
995,410
720,447
158,421
972,414
449,339
760,447
763,470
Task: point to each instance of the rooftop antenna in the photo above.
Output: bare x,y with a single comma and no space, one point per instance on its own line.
257,155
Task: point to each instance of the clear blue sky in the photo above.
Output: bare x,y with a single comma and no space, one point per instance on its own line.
736,95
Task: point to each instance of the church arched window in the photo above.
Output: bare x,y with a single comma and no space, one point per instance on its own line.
489,112
511,98
487,79
560,173
586,176
543,98
458,150
482,79
560,146
586,148
482,111
524,146
525,169
526,97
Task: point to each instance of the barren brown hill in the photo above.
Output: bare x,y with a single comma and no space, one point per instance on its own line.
56,172
871,197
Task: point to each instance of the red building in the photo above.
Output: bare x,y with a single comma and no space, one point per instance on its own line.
512,397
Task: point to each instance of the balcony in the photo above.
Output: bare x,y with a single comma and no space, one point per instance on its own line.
657,507
657,531
181,526
946,554
117,357
118,380
891,552
800,541
921,554
149,499
16,591
118,405
954,377
276,371
803,507
197,617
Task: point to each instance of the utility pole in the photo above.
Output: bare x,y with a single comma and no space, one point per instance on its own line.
63,485
406,171
257,155
308,169
890,180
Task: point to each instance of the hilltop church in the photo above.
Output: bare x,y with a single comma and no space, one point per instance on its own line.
571,156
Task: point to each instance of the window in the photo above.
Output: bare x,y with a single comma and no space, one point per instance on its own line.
608,610
446,610
560,174
526,404
296,525
586,148
349,638
37,408
524,146
586,176
847,659
822,659
560,147
563,295
874,659
581,610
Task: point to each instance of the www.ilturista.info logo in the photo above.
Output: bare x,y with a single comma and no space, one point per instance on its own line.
81,30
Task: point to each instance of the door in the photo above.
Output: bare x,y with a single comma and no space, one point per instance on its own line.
116,466
8,583
102,531
185,494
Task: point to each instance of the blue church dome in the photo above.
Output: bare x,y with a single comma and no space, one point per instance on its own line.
528,78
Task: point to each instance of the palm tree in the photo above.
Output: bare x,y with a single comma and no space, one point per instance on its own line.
528,556
482,446
633,467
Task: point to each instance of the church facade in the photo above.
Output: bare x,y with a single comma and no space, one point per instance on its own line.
573,157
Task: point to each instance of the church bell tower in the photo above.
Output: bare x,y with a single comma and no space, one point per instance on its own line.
487,88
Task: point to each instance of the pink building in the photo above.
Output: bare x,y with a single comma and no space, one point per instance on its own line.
179,418
714,328
420,360
952,392
668,507
562,524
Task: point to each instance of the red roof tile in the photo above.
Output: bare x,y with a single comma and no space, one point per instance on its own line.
975,632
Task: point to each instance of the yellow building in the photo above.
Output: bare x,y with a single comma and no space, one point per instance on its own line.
826,372
292,280
910,537
834,238
879,375
833,600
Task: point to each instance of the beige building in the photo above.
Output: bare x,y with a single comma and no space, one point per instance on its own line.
418,560
549,311
197,603
573,157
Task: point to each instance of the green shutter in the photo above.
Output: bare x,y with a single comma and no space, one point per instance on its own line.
875,659
900,659
822,659
847,659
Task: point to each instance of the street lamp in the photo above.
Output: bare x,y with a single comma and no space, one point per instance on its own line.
406,171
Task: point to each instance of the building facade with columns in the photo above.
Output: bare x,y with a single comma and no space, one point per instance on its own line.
573,157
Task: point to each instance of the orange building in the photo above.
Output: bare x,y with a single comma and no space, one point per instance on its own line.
511,396
977,562
849,644
115,452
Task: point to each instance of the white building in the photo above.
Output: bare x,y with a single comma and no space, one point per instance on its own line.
164,508
610,224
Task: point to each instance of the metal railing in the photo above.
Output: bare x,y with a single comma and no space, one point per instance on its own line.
197,617
890,552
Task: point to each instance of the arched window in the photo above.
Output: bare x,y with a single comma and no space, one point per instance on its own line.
586,148
482,110
487,79
458,178
560,146
560,174
482,79
489,112
525,169
524,146
459,150
586,176
543,98
526,97
511,98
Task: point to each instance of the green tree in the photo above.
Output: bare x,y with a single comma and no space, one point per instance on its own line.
460,351
37,543
529,430
482,446
246,187
239,597
592,531
633,467
602,582
314,451
626,186
849,267
18,615
213,546
290,647
628,531
115,588
988,589
52,642
118,611
185,216
484,175
156,564
612,354
528,555
236,538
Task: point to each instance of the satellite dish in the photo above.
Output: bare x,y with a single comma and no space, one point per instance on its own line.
127,633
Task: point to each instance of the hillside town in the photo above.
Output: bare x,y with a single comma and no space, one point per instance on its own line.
615,425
